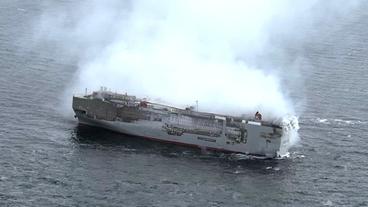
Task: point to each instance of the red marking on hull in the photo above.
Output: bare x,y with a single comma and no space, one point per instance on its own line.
187,145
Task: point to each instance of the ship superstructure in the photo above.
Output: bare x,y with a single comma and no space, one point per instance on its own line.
130,115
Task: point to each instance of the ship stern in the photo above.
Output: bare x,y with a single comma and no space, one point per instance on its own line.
290,136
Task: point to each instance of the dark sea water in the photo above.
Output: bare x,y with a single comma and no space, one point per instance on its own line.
46,159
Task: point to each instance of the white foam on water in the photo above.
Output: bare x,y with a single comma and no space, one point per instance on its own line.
322,120
339,121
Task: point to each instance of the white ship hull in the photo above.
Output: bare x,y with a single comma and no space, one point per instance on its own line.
256,144
137,117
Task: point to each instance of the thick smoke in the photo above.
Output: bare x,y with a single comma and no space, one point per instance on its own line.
185,50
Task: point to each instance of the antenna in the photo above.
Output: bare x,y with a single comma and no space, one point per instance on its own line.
197,104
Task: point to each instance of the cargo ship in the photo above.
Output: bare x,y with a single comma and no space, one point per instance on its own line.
141,118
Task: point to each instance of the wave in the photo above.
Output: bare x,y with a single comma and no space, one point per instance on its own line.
339,121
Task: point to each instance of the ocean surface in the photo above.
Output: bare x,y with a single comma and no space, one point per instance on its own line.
46,159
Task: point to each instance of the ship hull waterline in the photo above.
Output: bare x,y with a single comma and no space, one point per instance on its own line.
153,134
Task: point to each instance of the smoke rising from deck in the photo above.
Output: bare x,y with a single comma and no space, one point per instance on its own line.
185,50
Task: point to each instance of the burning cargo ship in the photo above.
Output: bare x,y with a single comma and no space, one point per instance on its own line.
130,115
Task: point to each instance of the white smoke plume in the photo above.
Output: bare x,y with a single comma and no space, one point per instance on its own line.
185,50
